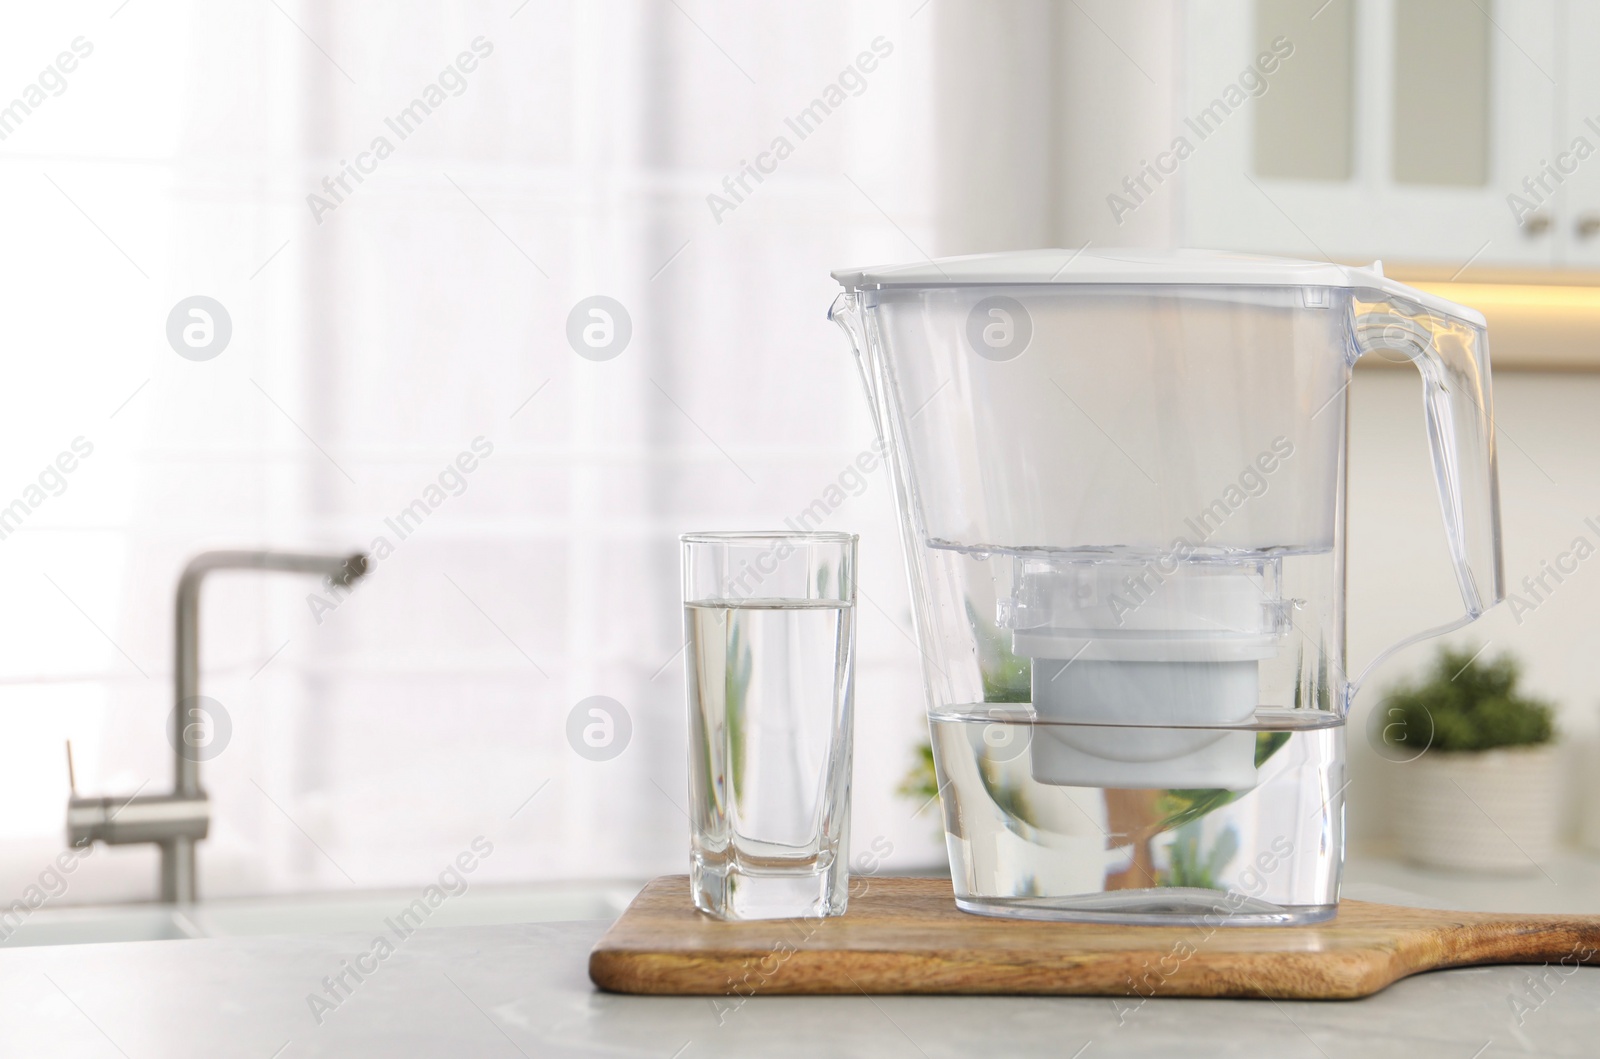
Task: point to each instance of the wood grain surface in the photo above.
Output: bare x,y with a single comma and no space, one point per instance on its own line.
907,936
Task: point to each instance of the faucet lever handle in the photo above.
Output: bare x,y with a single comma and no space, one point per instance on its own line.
72,775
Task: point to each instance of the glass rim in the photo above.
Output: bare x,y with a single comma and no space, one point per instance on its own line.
743,536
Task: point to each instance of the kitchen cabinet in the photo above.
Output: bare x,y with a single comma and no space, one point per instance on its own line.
1394,129
1576,211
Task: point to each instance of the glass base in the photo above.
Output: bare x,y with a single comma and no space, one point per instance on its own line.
1164,906
732,892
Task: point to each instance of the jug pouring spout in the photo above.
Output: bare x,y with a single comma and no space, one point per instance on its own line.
847,313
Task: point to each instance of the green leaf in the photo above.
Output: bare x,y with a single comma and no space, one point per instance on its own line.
921,782
1465,704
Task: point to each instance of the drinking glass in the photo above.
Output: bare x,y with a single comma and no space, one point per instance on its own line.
770,623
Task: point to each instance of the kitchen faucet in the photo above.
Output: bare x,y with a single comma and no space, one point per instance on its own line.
178,820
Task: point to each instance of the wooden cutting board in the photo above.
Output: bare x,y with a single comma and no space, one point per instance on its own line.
907,936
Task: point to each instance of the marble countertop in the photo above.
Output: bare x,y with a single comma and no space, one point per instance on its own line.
1567,883
501,990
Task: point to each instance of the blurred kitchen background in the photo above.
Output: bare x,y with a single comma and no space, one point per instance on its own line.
614,148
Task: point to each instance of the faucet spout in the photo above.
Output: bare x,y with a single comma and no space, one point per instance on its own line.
178,820
342,570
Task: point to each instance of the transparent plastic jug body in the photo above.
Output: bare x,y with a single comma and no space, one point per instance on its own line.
1121,491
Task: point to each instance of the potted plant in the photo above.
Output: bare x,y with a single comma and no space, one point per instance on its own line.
1478,779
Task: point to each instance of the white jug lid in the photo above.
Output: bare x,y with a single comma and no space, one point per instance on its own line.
1177,267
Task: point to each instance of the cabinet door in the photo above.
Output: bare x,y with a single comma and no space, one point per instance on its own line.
1396,137
1574,167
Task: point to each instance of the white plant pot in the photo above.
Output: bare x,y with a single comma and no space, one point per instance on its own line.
1589,794
1492,810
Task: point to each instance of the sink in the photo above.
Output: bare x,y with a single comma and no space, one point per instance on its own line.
83,926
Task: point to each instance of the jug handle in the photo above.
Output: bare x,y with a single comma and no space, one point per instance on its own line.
846,312
1452,354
